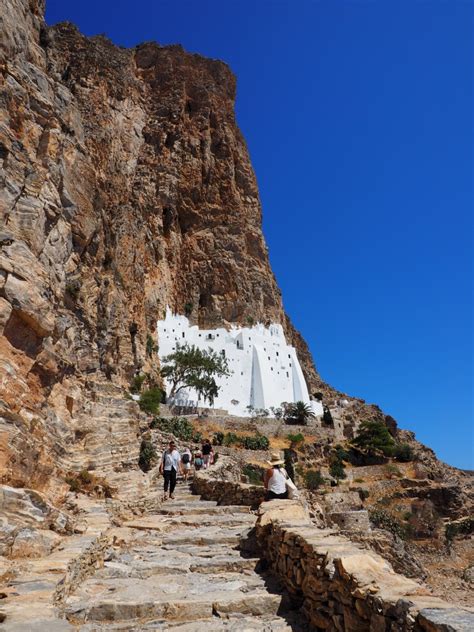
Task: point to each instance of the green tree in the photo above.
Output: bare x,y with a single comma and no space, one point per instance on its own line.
191,367
299,412
373,438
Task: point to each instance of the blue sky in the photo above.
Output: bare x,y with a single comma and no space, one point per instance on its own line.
358,118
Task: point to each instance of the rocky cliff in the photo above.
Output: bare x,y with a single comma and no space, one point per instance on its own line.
126,187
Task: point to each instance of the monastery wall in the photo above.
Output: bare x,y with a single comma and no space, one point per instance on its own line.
265,369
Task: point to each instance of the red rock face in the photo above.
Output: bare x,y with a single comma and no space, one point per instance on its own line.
129,187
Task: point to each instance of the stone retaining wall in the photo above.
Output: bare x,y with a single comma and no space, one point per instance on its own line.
218,483
343,588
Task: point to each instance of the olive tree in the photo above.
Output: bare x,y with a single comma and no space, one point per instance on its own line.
191,367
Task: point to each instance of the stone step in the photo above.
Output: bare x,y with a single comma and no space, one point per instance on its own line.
176,507
174,562
176,597
264,623
207,535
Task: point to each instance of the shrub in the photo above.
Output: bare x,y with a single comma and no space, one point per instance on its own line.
218,438
88,483
382,519
74,484
197,437
150,400
254,474
230,438
295,439
85,477
373,437
137,383
313,479
151,346
148,456
288,458
336,470
463,526
180,427
403,452
188,309
358,480
363,494
73,288
341,454
258,442
393,471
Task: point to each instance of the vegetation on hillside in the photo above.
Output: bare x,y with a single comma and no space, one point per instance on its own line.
298,413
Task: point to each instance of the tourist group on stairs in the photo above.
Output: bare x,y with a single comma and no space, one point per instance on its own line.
173,463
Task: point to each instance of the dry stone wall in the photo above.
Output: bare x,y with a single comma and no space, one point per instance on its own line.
221,483
341,588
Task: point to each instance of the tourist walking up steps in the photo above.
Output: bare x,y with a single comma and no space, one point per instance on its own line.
275,478
186,460
170,466
206,453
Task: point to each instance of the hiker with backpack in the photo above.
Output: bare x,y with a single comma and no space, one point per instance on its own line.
206,453
186,460
170,466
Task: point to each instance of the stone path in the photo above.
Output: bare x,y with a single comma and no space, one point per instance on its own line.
183,568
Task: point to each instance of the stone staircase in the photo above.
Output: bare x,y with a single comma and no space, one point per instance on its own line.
107,440
184,567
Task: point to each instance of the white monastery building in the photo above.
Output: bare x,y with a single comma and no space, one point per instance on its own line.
265,370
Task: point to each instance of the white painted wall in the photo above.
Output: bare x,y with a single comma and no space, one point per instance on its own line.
265,370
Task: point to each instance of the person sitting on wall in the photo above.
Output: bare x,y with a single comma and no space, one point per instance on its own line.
275,479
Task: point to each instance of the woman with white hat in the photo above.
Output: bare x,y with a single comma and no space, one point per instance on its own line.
275,478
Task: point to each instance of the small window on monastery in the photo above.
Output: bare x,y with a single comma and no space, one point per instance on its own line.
199,335
269,359
277,353
289,356
290,365
271,368
183,334
223,353
287,374
241,373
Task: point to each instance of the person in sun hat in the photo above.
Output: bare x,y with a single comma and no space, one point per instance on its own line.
275,478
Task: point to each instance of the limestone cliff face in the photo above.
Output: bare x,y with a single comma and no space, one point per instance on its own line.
127,186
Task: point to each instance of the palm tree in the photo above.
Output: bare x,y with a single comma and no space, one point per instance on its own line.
300,413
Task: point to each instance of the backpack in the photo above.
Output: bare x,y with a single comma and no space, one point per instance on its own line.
185,458
198,461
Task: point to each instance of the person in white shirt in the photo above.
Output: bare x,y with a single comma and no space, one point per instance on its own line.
275,479
170,466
